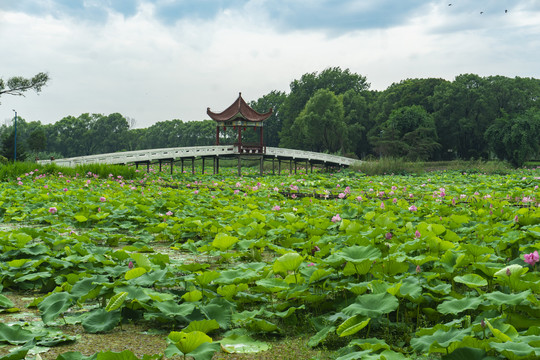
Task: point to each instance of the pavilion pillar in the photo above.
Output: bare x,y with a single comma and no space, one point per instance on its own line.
182,166
193,165
203,159
239,139
172,164
279,166
239,165
217,134
273,170
262,165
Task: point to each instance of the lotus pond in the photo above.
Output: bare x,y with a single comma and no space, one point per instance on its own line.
443,265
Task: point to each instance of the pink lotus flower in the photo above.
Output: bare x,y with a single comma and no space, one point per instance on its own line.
359,198
413,208
341,195
169,213
130,265
311,264
102,199
336,218
196,192
382,205
516,219
276,208
531,258
417,234
388,235
418,269
53,210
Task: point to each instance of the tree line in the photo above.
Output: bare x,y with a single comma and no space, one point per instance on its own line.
333,111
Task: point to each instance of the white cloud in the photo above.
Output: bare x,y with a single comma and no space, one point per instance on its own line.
154,71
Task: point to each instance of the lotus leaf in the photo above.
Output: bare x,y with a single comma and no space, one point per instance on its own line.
54,305
352,325
455,306
100,320
188,342
242,344
287,262
15,334
471,280
372,305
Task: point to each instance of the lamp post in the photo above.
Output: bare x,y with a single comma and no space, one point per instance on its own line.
15,139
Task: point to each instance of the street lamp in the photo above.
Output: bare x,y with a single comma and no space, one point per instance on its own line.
15,140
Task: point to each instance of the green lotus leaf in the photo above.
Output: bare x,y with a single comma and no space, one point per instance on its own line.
352,325
455,306
242,344
498,298
188,342
135,273
171,308
5,302
515,270
471,280
54,305
15,334
514,350
287,262
100,320
204,326
192,296
221,312
110,355
357,268
357,355
80,218
439,338
76,355
372,344
223,241
357,254
321,335
467,353
21,352
116,301
206,277
261,325
142,261
372,305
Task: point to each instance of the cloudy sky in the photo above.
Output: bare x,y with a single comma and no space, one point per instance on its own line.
156,60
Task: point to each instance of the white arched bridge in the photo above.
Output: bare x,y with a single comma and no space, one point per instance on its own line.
181,154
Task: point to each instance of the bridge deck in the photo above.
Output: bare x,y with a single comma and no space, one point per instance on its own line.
153,155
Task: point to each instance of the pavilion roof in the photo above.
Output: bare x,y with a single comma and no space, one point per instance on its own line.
239,109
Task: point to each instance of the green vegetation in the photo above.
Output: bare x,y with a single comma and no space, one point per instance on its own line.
443,264
334,111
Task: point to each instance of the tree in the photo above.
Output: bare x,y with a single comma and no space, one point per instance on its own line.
321,126
464,109
272,125
334,79
17,85
409,132
516,139
8,147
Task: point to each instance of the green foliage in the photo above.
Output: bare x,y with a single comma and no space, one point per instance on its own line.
17,85
388,280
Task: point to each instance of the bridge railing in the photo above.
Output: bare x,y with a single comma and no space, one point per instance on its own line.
310,156
140,156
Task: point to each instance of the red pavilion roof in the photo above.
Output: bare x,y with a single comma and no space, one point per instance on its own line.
239,109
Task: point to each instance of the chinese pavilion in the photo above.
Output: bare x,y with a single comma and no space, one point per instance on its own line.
240,116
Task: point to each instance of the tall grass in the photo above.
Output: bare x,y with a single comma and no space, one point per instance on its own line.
398,166
12,171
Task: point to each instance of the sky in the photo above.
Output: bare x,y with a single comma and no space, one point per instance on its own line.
158,60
